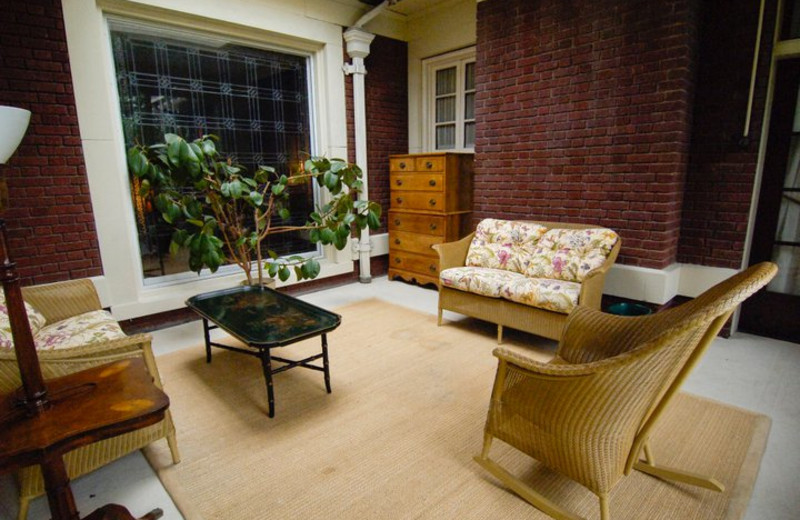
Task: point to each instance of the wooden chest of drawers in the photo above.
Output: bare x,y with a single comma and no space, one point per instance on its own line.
431,203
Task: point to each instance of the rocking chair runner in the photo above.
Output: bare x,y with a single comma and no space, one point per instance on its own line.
589,412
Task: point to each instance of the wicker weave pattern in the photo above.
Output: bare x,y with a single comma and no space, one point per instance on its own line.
56,302
588,414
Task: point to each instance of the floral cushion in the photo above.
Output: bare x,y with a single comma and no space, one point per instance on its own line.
552,295
479,280
35,318
570,254
83,329
504,244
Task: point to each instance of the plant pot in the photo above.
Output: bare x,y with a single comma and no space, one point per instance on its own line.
267,282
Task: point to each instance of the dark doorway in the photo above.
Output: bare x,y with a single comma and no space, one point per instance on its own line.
775,311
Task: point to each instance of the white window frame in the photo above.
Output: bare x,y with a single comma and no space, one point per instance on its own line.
121,286
204,38
458,59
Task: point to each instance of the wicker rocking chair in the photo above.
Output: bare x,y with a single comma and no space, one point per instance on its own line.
588,413
57,302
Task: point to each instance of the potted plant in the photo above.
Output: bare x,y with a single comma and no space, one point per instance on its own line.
222,213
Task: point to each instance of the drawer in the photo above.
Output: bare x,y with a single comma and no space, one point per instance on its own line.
415,223
429,266
429,164
401,164
421,200
415,242
417,181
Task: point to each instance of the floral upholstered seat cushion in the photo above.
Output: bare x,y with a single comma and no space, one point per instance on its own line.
552,295
504,244
570,254
479,280
83,329
35,318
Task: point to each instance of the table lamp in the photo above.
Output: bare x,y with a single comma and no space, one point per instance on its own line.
33,399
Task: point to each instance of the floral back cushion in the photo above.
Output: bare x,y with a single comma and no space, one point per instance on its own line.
35,318
571,254
504,244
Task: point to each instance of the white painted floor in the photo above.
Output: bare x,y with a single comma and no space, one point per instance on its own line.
752,372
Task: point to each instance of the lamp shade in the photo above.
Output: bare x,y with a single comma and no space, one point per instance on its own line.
13,123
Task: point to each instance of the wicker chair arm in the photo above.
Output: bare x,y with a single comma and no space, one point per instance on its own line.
537,368
60,362
453,254
61,300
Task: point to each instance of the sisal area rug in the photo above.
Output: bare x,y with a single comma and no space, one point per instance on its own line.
396,437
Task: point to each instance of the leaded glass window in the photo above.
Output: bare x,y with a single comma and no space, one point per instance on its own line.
256,100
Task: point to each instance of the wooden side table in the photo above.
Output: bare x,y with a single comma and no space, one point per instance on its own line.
84,407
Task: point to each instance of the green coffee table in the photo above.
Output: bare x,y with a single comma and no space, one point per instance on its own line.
264,319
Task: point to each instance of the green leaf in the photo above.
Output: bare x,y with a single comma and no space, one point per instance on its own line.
311,268
284,213
236,189
373,221
208,147
330,180
137,161
278,189
273,269
284,273
327,236
340,242
174,152
256,198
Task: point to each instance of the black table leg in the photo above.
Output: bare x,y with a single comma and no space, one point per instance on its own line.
266,363
325,363
208,340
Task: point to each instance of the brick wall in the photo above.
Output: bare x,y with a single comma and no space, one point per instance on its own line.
583,115
386,85
50,221
722,163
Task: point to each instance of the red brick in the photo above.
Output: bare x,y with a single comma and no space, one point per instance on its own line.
51,237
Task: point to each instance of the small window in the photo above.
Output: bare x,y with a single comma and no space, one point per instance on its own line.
450,101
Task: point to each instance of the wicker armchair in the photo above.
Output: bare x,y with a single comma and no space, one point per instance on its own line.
57,302
588,413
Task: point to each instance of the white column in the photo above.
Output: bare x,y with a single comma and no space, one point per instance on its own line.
358,42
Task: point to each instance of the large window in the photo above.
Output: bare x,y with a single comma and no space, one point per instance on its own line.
256,100
450,101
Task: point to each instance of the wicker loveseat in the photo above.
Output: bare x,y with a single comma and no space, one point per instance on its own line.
525,275
73,333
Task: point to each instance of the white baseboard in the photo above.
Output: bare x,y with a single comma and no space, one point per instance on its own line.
661,285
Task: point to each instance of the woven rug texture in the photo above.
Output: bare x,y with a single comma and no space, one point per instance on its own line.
395,439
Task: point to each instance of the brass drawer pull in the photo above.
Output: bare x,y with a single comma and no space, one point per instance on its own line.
397,241
432,268
397,260
402,166
432,202
433,227
397,222
429,165
399,182
399,200
432,182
